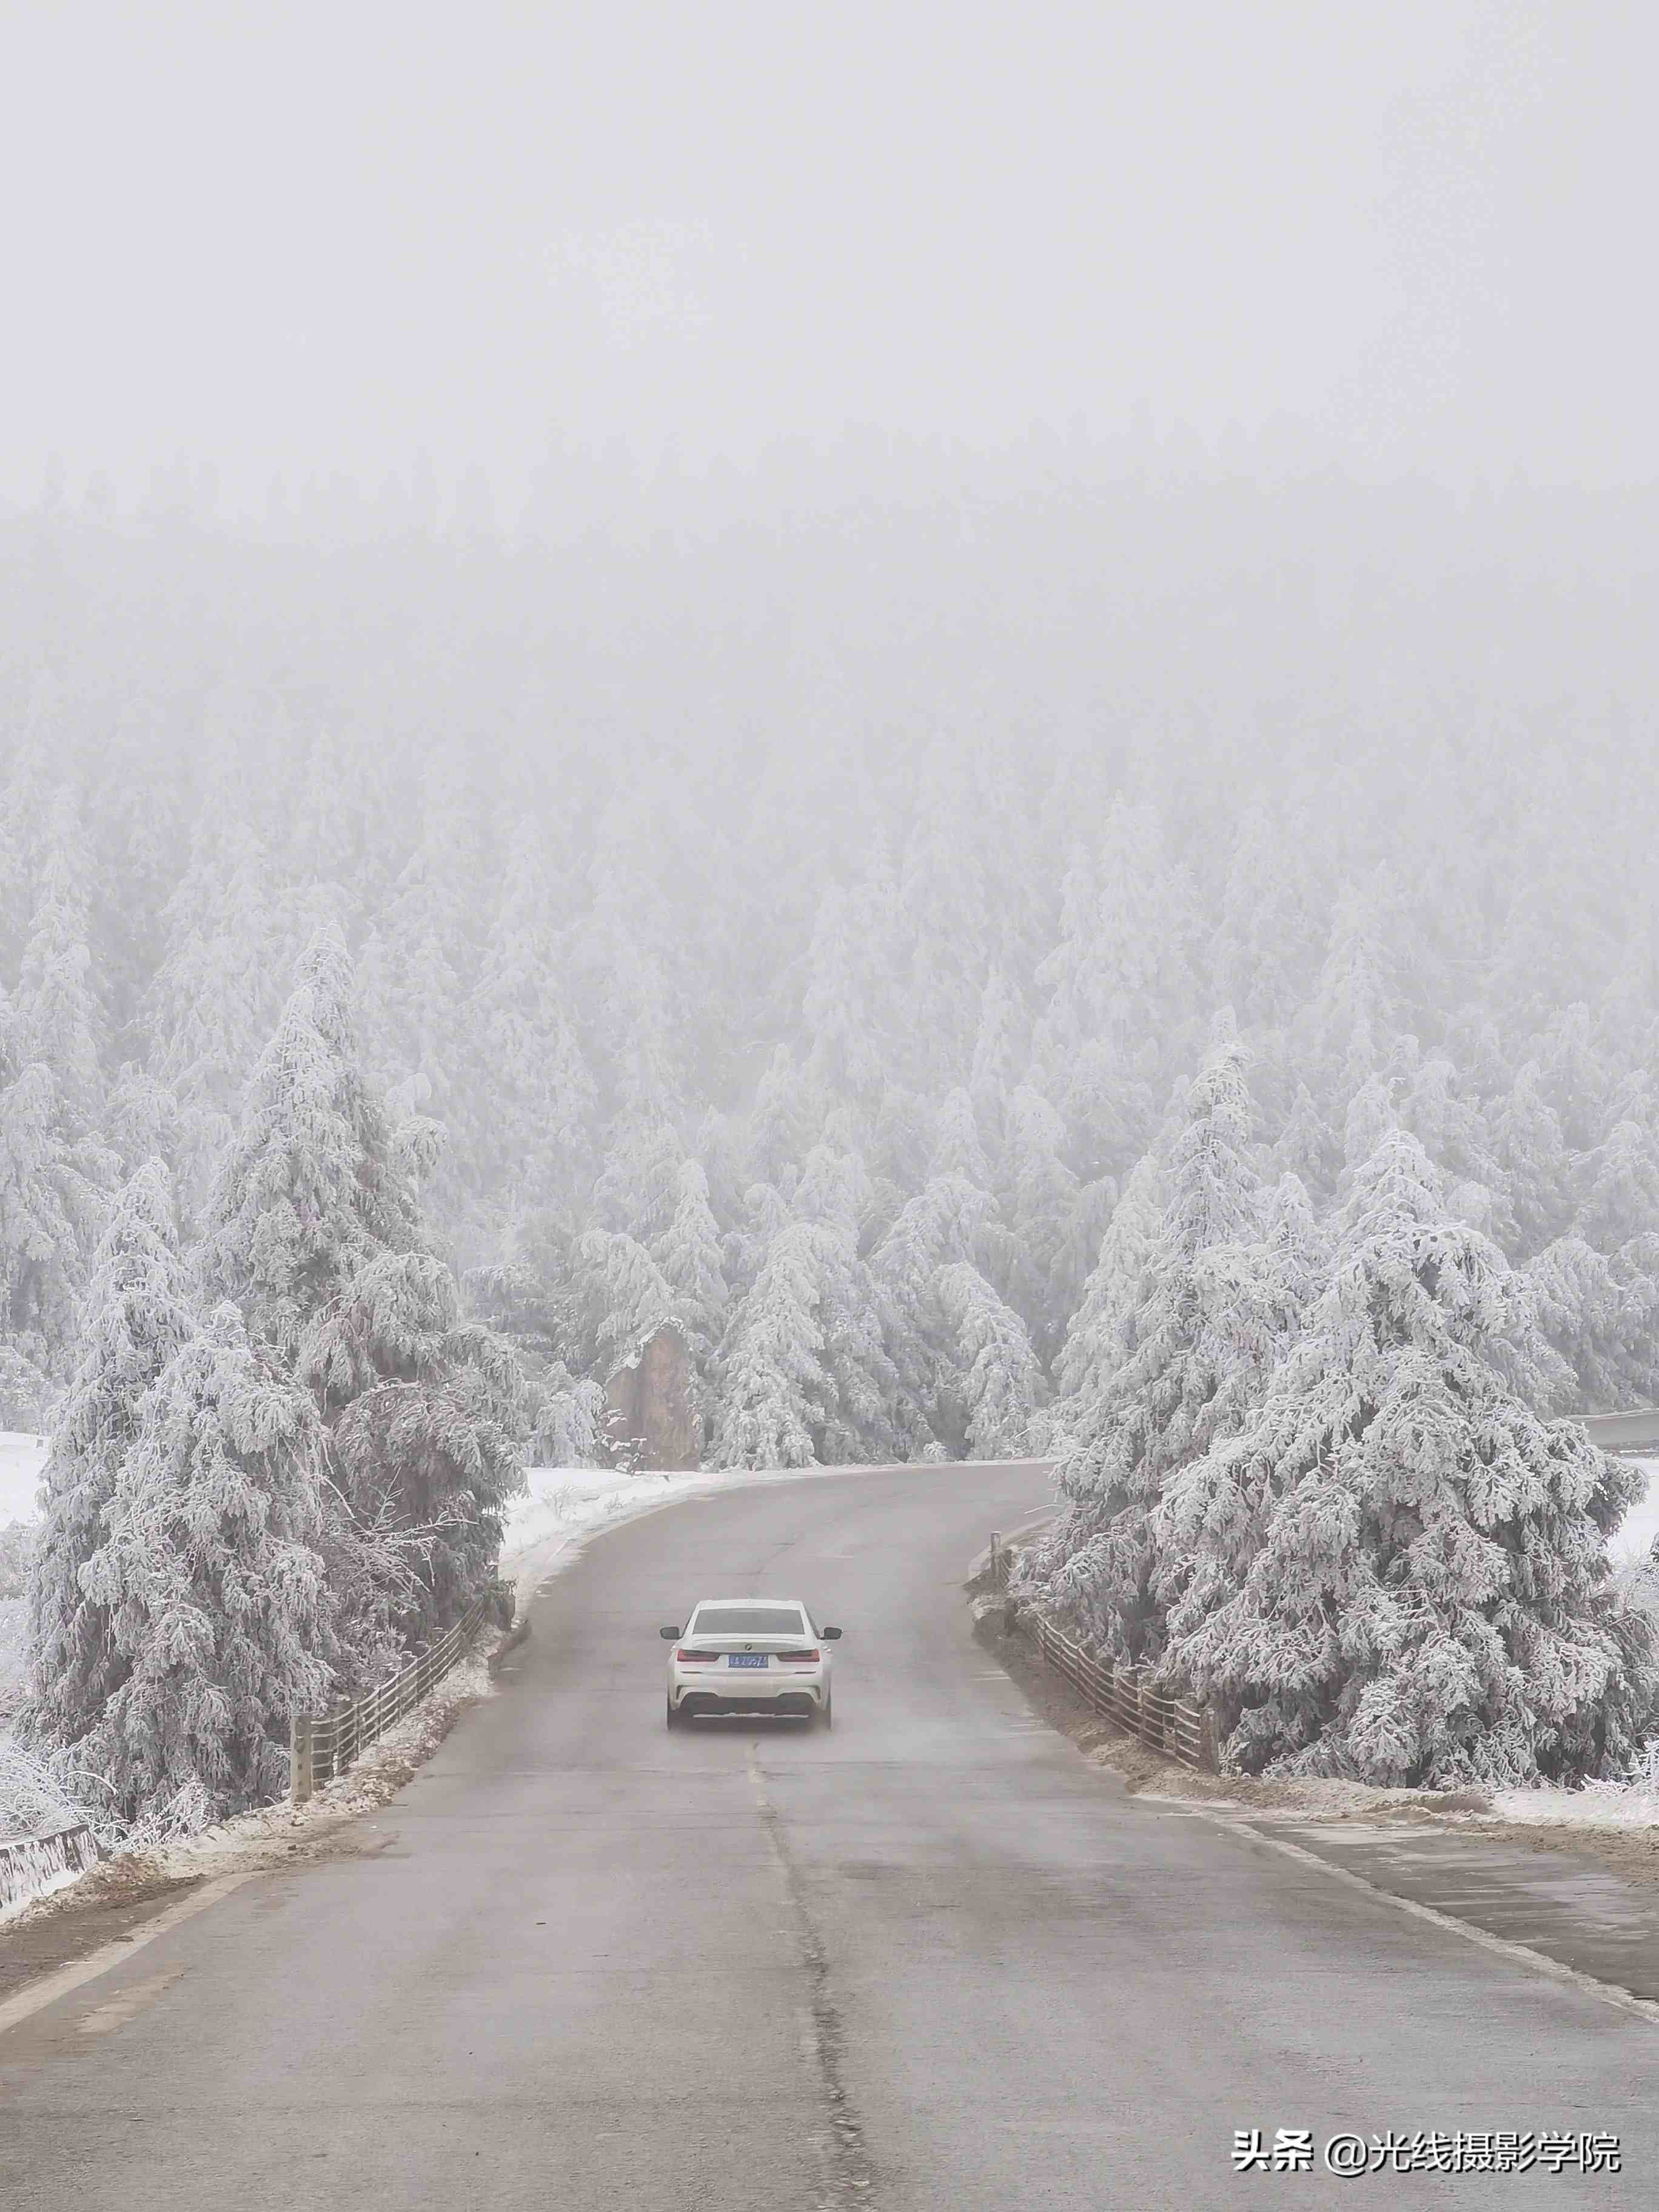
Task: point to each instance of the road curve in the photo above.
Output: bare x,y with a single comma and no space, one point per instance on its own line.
931,1960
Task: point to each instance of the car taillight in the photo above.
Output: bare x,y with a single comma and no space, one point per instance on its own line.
798,1655
697,1655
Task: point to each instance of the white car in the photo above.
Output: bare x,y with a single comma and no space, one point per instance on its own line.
748,1655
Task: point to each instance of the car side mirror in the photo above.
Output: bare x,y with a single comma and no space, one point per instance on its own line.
669,1635
830,1635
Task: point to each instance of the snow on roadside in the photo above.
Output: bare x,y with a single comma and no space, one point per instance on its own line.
1597,1805
1634,1537
565,1505
22,1457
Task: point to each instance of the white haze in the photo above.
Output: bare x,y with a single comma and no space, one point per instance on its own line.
1397,238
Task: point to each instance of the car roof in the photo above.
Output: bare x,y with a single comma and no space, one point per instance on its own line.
799,1603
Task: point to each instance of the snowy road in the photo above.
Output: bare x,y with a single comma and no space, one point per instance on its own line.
933,1959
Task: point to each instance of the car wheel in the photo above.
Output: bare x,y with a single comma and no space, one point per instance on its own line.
673,1717
826,1715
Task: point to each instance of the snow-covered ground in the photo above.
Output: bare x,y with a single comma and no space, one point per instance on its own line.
564,1505
22,1457
1641,1525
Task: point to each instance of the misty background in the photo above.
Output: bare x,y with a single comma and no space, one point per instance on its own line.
1394,240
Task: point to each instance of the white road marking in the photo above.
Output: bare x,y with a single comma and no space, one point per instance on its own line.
40,1994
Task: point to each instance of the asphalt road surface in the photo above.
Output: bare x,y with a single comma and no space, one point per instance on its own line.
933,1959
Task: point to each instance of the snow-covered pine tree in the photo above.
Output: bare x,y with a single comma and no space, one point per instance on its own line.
306,1193
1618,1187
780,1121
209,1008
946,1223
956,1148
774,1389
1039,1195
1428,1603
135,1315
1001,1383
1305,1147
639,1185
744,1248
1586,1313
1259,1296
1161,1409
804,1372
1531,1156
997,1054
54,1201
834,1189
425,1416
625,1294
215,1584
688,1254
314,1229
1101,1336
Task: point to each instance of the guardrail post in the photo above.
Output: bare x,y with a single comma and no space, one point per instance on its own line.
1209,1755
299,1759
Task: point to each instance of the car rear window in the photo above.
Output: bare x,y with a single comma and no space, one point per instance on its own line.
748,1620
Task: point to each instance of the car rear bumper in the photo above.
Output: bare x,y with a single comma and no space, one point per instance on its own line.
779,1696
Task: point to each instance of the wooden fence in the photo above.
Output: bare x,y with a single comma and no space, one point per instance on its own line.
323,1745
35,1863
1176,1726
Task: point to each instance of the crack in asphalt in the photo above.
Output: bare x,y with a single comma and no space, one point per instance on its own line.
850,2178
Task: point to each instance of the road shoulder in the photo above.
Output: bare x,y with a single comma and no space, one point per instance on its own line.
1583,1902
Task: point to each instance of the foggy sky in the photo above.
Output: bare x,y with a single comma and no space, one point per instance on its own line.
1411,235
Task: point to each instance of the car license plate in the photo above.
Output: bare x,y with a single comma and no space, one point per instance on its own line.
745,1658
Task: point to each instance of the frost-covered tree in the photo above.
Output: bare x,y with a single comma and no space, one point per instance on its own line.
639,1185
688,1254
1532,1157
135,1317
1039,1194
54,1187
775,1388
210,1006
625,1293
804,1372
1001,1383
1101,1336
314,1229
1618,1183
1595,1320
425,1415
997,1054
1165,1406
957,1147
1427,1601
780,1121
1306,1146
215,1585
766,1214
307,1192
